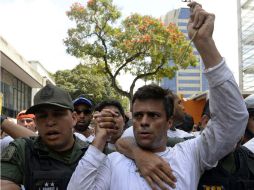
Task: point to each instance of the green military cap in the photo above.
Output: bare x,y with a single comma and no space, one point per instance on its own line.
51,95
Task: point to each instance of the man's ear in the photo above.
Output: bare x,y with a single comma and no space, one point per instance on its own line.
74,118
170,122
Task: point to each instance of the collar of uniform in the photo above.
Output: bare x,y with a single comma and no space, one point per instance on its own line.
69,156
81,144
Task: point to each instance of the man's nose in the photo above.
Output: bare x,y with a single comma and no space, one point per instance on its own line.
50,120
145,121
82,115
25,124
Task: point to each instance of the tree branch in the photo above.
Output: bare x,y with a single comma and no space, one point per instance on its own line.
107,68
144,75
128,60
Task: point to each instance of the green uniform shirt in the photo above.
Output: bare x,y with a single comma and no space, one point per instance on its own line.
13,157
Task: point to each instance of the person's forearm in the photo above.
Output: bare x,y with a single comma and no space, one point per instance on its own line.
209,52
99,142
8,185
127,146
16,131
92,172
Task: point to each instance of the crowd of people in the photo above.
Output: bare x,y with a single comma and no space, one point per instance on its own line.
60,143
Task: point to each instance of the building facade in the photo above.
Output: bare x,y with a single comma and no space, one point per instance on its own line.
246,44
190,81
19,81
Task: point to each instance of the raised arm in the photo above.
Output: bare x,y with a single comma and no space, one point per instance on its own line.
201,24
93,170
16,131
228,111
153,168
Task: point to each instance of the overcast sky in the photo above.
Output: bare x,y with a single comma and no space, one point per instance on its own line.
36,28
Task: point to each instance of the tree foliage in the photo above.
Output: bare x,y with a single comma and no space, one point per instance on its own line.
139,45
85,79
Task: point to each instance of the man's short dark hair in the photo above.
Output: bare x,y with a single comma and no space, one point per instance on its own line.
155,92
115,103
187,124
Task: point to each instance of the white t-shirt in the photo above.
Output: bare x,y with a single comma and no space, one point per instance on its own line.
250,145
83,138
123,171
178,133
196,133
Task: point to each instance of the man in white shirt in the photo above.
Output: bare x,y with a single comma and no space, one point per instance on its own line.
178,117
152,111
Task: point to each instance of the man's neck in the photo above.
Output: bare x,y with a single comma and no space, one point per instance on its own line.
86,133
159,150
155,150
66,148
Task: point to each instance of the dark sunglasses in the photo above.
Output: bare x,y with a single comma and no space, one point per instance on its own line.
85,112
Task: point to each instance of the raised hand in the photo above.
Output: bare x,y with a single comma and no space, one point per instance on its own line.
200,30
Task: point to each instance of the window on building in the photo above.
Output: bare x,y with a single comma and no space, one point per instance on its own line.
188,74
189,81
189,89
184,13
184,31
16,95
182,23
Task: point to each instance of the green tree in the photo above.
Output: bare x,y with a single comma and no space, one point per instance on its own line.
84,79
139,45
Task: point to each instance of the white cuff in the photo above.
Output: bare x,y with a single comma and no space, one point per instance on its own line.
218,74
215,67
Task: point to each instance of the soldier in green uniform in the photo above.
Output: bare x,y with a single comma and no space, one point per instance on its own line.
46,161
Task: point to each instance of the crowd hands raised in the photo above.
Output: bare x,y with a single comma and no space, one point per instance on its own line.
78,145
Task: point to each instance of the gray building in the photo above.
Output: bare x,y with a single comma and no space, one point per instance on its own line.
20,80
246,45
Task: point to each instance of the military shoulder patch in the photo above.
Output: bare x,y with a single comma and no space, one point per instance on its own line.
8,153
